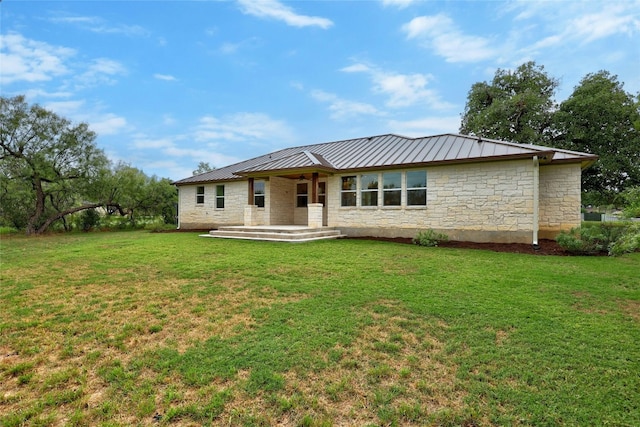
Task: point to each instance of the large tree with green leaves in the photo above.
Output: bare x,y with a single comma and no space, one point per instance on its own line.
600,117
48,165
516,106
51,168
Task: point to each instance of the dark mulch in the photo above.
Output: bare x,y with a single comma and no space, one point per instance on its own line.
545,247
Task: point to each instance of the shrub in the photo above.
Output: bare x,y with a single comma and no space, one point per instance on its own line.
429,238
631,197
89,219
628,242
612,237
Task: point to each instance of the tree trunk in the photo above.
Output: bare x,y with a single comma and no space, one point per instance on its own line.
39,210
59,215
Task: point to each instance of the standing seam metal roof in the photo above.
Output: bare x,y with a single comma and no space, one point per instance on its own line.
388,150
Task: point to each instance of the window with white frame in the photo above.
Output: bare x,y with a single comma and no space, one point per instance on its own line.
369,189
391,188
417,188
302,194
220,196
258,193
348,191
200,194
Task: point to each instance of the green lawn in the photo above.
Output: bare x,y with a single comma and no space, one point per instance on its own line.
135,328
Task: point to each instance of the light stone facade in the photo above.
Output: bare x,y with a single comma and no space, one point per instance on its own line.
560,199
489,201
206,216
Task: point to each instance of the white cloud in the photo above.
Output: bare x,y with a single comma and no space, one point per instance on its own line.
100,122
31,61
581,23
342,109
425,126
441,34
165,77
243,127
98,25
168,148
100,71
276,10
403,90
107,124
401,4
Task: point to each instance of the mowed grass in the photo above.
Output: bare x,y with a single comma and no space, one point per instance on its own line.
135,328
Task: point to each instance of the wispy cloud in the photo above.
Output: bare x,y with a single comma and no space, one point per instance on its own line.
99,25
342,109
100,71
165,77
103,123
252,128
425,126
401,4
402,90
440,34
273,9
577,23
32,61
172,151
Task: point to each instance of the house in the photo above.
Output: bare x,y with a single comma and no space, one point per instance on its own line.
470,188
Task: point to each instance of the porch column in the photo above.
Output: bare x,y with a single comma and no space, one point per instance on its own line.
314,215
314,187
250,200
250,209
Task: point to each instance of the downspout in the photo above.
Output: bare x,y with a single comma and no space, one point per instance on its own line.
536,201
178,209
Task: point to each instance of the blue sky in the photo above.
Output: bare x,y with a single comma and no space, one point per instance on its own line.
167,84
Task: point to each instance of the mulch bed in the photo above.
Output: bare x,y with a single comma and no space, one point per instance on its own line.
545,247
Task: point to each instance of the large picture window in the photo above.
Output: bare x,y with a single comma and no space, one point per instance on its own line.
417,188
369,189
200,194
348,191
391,188
258,193
220,196
302,195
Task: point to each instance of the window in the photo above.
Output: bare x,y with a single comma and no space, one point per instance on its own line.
348,191
258,194
220,196
417,188
391,188
322,193
200,194
302,196
369,190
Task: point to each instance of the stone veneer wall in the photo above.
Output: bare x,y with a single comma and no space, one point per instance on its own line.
482,202
280,196
560,199
206,216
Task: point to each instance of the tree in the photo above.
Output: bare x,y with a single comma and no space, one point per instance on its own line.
140,195
203,167
517,106
49,167
601,118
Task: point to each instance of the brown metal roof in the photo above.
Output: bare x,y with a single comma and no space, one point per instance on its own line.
386,151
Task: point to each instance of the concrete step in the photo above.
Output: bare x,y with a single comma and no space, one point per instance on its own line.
276,234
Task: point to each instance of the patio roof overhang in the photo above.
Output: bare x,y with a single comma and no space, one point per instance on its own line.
294,166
